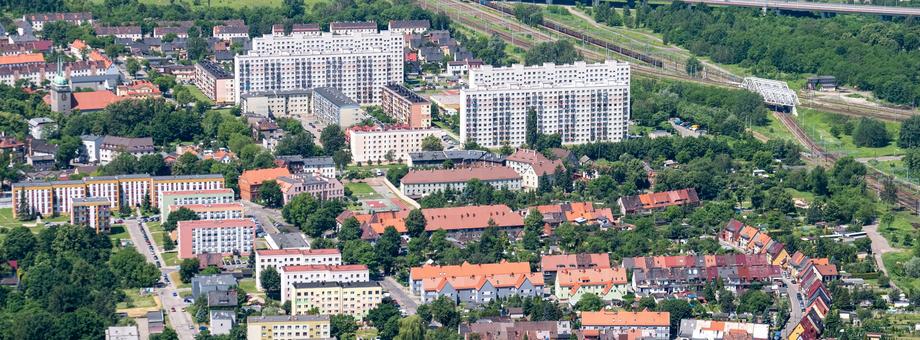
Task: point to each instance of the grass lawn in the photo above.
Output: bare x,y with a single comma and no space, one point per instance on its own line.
203,4
171,258
804,195
361,190
133,299
156,231
818,125
198,94
773,130
900,226
118,233
894,263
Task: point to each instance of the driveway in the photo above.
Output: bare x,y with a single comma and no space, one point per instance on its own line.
880,246
401,295
264,215
795,307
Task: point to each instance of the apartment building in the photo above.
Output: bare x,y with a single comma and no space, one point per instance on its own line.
196,197
419,183
693,329
112,146
277,258
406,106
201,183
296,164
476,289
581,102
551,264
417,275
92,212
349,298
22,59
647,203
386,144
288,327
331,106
230,32
650,325
216,237
409,26
213,211
460,158
297,29
664,275
291,275
358,64
38,73
610,284
461,223
121,32
38,20
574,212
319,187
251,181
353,27
533,165
276,103
215,82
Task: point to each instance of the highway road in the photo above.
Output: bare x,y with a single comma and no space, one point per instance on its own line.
171,302
814,7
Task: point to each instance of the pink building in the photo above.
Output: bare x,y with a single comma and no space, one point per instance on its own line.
321,188
216,236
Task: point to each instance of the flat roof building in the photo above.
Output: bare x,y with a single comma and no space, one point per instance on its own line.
349,298
386,144
331,106
288,327
405,106
215,82
420,183
226,237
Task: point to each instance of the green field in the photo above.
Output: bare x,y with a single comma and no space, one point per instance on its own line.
199,96
118,233
361,190
894,263
900,226
133,299
818,126
156,231
170,258
773,130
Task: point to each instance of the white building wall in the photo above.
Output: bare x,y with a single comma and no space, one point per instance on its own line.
288,279
372,146
278,261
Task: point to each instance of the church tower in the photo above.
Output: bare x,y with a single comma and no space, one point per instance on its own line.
61,96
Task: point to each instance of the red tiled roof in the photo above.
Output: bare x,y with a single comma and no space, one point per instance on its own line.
229,223
28,58
261,175
607,318
466,269
541,165
571,261
275,252
827,270
91,101
456,218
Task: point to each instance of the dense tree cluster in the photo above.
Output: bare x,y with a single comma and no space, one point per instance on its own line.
529,14
773,44
559,52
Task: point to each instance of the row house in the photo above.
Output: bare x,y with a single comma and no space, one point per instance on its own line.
277,258
38,73
477,289
574,212
551,264
649,325
751,240
610,284
648,203
461,223
717,330
666,275
417,275
516,330
38,20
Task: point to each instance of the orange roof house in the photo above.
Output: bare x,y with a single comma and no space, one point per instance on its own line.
625,320
251,181
575,212
647,203
554,263
466,269
22,59
90,101
470,219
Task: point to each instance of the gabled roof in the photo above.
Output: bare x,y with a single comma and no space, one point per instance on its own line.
28,58
467,269
577,278
551,263
608,318
540,164
256,177
734,226
660,199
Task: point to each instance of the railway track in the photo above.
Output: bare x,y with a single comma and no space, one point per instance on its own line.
858,110
905,197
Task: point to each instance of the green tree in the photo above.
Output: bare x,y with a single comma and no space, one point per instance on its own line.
332,138
181,214
678,309
432,143
411,328
18,243
387,248
271,282
68,149
358,251
415,223
132,270
270,194
909,136
293,8
533,230
167,334
343,326
889,193
188,268
23,210
123,164
532,131
350,230
152,164
694,67
132,66
297,144
870,133
168,243
590,302
755,302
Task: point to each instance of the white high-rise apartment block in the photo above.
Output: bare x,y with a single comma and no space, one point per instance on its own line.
582,102
277,258
358,64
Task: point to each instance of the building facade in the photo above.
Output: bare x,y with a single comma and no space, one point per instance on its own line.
296,164
291,275
215,82
650,325
92,212
533,165
290,103
357,64
112,146
348,298
405,106
331,106
216,211
419,183
375,144
288,327
583,103
319,187
250,181
197,197
610,284
277,258
216,236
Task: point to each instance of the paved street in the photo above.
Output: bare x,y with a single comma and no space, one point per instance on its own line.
795,309
879,247
401,295
180,321
264,215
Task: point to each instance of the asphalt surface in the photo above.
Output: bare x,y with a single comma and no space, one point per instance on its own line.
795,307
171,302
265,216
401,295
880,246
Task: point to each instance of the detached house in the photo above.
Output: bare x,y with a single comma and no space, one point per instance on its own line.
607,283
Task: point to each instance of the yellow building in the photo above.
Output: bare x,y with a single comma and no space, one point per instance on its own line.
285,327
349,298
